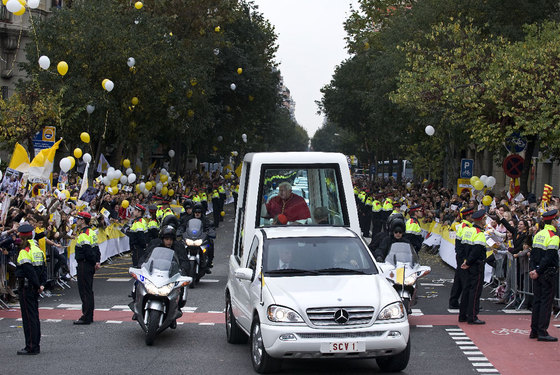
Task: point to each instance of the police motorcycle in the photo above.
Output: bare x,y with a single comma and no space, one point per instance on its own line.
402,269
159,292
198,242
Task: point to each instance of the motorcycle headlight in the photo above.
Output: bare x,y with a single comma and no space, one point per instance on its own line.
198,242
281,314
392,311
163,291
410,280
189,242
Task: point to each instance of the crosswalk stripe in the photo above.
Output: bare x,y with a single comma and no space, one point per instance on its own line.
120,307
464,343
425,326
69,306
454,330
206,324
482,364
473,359
52,320
475,352
453,311
487,370
114,321
119,279
457,333
468,347
517,311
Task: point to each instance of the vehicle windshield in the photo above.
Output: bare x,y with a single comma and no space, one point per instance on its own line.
162,259
402,252
302,195
316,256
194,229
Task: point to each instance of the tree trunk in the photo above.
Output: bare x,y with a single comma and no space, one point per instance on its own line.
531,144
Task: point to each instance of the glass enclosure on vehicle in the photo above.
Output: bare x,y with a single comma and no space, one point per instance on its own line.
316,255
402,252
303,195
162,259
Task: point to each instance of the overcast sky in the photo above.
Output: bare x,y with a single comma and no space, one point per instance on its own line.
311,44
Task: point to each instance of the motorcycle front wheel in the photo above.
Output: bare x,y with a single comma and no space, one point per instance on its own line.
152,325
192,273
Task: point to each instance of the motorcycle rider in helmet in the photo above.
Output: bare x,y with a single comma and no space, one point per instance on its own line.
396,227
188,205
208,227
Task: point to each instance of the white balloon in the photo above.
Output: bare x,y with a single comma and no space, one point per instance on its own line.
484,179
106,181
90,108
129,171
124,179
117,174
130,62
13,6
216,51
164,171
44,62
430,130
142,186
171,153
65,163
86,157
131,178
159,185
0,175
491,181
220,138
110,171
33,4
233,86
109,85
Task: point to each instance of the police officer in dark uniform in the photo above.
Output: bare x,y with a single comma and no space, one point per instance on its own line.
136,233
88,258
461,275
31,275
474,241
543,267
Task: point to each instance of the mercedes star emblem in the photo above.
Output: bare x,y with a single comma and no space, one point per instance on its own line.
341,316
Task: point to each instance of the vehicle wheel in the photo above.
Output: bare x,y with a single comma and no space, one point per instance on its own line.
153,324
395,363
192,273
406,303
262,362
235,335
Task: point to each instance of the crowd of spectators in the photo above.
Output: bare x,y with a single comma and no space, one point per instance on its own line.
54,214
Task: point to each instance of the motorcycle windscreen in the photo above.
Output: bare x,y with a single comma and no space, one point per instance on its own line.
162,260
194,229
402,252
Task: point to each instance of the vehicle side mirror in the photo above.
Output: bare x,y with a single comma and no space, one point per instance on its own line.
244,274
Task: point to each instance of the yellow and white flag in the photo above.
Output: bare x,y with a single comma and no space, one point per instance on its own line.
20,160
42,164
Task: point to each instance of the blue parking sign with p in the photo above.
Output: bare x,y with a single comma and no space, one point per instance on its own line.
467,168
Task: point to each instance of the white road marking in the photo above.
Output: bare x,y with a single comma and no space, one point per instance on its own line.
476,352
464,343
114,321
459,337
487,370
431,284
470,347
209,281
180,323
190,309
517,311
120,307
483,364
453,311
102,309
416,312
454,330
206,324
425,326
215,312
474,359
52,320
457,333
19,320
69,306
46,308
119,279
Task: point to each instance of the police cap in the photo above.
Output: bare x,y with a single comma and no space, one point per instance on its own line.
467,211
550,215
415,208
25,230
85,215
139,207
479,214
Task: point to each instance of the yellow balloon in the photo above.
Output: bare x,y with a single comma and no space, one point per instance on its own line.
66,193
190,113
164,190
239,70
85,137
487,200
19,13
114,190
125,203
126,163
134,101
137,188
163,177
474,179
138,5
217,29
479,185
77,152
62,68
170,192
114,182
103,82
72,161
148,185
4,2
223,213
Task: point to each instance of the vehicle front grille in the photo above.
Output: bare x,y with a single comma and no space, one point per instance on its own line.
341,335
340,316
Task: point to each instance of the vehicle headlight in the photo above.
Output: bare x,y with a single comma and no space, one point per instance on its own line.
281,314
198,242
163,291
392,311
410,280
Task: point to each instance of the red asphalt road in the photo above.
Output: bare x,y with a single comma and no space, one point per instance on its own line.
504,339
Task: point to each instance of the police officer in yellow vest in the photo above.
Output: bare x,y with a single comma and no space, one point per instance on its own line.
413,230
461,275
216,207
387,210
136,233
376,216
474,240
163,211
88,258
152,226
31,276
543,266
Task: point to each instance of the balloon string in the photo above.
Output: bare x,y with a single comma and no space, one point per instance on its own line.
106,119
34,32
